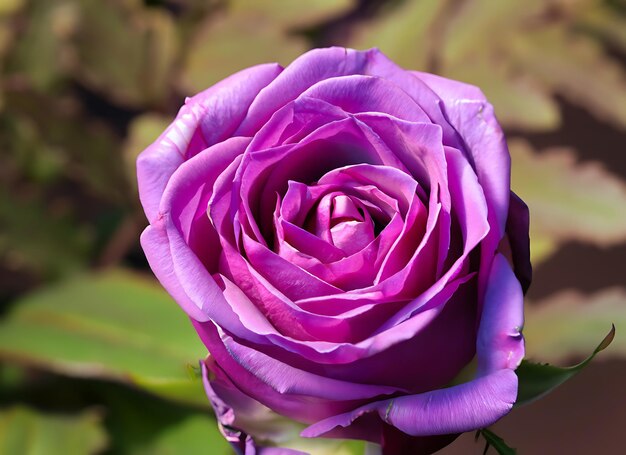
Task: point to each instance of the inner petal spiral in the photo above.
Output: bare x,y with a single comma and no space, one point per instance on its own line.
351,227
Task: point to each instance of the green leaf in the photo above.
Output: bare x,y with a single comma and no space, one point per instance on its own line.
142,425
61,248
545,54
10,6
469,53
577,68
40,54
320,446
471,31
287,15
113,325
564,325
537,380
58,141
411,22
28,432
228,43
603,22
495,441
567,200
125,51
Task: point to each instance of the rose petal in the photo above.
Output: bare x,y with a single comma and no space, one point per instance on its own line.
465,407
221,108
256,329
299,407
517,228
287,380
358,93
473,118
296,120
187,195
500,342
448,89
265,173
313,66
423,95
238,414
291,280
216,112
475,404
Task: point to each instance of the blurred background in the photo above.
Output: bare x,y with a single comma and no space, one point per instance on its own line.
96,358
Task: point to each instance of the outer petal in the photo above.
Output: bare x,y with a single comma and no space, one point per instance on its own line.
237,412
287,380
221,108
358,93
172,225
205,119
187,194
461,408
517,228
476,123
156,247
465,407
158,162
312,67
500,343
448,89
468,111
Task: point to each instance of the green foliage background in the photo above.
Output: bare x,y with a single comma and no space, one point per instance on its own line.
95,357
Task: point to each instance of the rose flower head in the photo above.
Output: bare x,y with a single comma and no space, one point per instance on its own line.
343,236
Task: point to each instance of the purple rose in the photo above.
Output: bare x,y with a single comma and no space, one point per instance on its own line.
343,235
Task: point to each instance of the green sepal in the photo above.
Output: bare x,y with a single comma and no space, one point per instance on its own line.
495,441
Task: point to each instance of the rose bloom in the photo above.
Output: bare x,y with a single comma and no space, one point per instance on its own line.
343,236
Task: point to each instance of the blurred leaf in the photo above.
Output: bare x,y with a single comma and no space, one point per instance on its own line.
519,101
125,51
567,200
539,52
320,446
142,425
41,52
58,171
25,431
542,248
225,44
495,441
606,24
470,53
142,132
406,34
8,28
286,15
564,325
29,155
62,138
11,377
60,248
537,380
10,6
113,325
577,68
198,434
6,37
471,31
